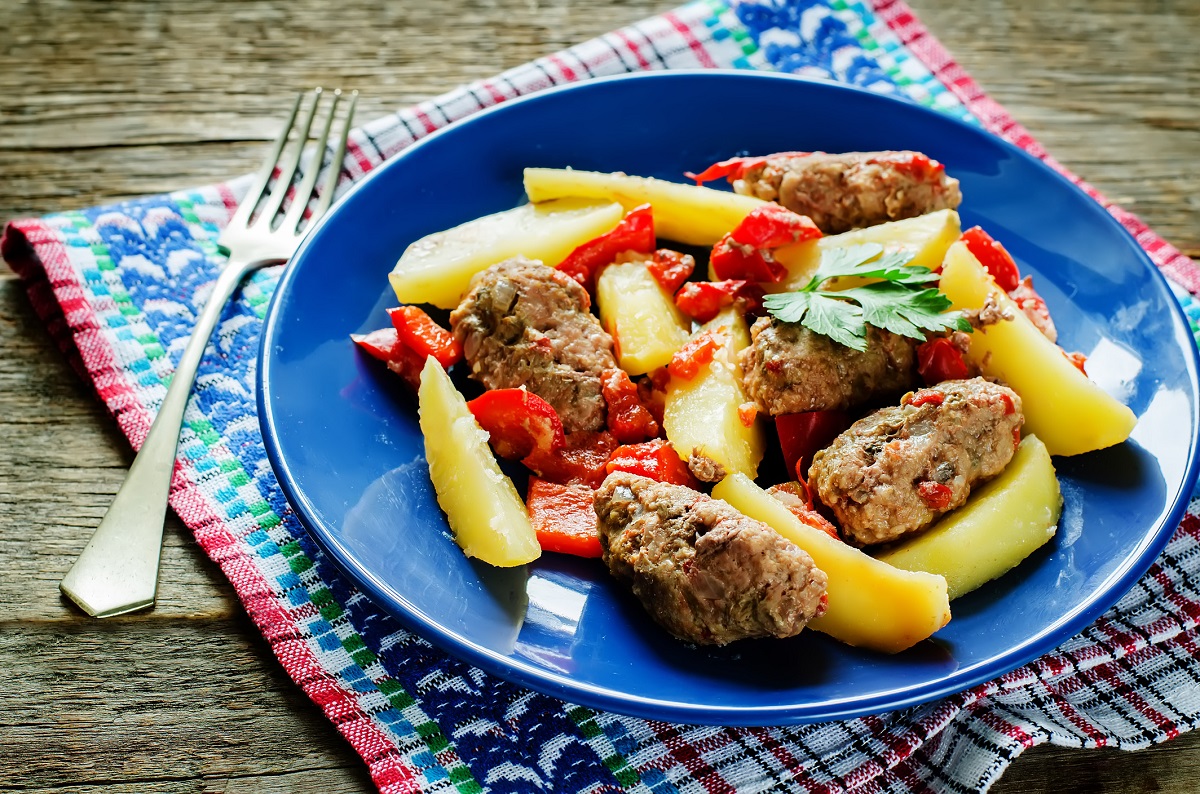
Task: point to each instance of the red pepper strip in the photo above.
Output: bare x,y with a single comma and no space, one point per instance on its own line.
993,257
734,167
935,494
656,459
628,419
696,352
423,336
703,300
801,506
1031,303
518,421
386,346
652,392
563,517
917,165
671,268
802,435
927,397
939,360
732,260
581,460
635,232
1079,360
773,226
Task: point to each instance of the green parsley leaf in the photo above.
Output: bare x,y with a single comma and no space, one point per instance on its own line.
897,302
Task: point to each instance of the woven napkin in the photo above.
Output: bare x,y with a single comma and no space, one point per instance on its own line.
120,286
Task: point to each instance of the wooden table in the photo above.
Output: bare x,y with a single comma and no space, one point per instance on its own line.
100,101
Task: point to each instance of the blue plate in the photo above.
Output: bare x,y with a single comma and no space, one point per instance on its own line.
342,432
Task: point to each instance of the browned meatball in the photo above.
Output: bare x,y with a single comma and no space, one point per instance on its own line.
846,191
704,571
526,324
895,471
788,369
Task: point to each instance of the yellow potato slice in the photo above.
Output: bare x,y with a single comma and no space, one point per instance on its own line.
1003,522
684,213
641,316
701,414
1068,412
871,604
481,504
438,269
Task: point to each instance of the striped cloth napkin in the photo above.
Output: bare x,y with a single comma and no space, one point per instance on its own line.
120,286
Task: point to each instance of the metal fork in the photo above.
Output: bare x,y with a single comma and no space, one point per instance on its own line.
117,572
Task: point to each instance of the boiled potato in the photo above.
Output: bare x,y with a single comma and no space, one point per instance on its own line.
1068,412
684,213
871,604
481,504
701,414
926,237
437,269
641,316
1003,522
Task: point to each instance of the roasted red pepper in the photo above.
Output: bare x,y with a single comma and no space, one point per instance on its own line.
703,300
730,260
773,226
656,459
628,419
994,258
635,232
563,517
424,337
696,352
917,165
519,422
735,167
939,359
671,268
926,397
1030,302
386,346
802,435
1078,360
802,506
580,460
935,494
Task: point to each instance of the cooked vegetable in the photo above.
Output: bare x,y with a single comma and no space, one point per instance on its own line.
940,359
635,232
671,268
563,517
1004,522
702,414
517,422
684,213
385,345
628,420
871,604
994,257
1069,413
702,300
747,252
420,334
438,268
481,504
646,327
655,459
802,435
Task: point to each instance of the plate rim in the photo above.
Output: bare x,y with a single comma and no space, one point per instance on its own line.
559,685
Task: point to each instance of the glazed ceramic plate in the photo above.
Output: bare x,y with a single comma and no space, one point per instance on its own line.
343,438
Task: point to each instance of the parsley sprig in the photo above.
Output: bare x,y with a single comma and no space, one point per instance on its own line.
899,302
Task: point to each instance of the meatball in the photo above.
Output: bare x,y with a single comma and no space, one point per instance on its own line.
892,473
841,192
704,571
526,324
788,369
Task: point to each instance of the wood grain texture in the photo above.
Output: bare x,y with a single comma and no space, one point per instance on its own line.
107,100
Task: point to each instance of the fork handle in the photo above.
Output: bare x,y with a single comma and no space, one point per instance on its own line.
117,571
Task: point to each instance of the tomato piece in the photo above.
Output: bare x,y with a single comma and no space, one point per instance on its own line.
671,268
994,258
423,336
385,345
519,422
747,413
695,353
635,232
934,494
796,498
774,226
735,167
802,435
628,419
656,459
703,300
580,460
939,359
563,517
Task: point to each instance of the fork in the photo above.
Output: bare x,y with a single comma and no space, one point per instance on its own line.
117,571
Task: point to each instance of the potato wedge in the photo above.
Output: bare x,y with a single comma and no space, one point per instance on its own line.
481,504
646,327
437,269
1003,522
684,213
871,604
1069,413
701,414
